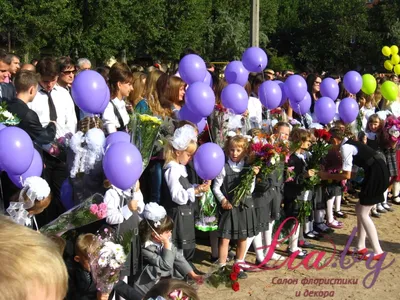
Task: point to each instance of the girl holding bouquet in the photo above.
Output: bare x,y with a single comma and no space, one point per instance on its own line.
237,223
178,195
297,195
115,116
123,209
161,258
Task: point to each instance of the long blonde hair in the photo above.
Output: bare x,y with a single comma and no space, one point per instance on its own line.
138,83
150,93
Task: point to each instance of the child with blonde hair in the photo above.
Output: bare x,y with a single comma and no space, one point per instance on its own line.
178,194
32,267
236,223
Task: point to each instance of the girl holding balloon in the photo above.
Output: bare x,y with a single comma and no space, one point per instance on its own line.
178,195
115,116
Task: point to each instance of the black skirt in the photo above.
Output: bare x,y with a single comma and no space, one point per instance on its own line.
262,210
376,181
319,198
183,233
238,223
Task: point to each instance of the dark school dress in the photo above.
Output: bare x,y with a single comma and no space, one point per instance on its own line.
294,190
376,178
183,233
333,163
239,222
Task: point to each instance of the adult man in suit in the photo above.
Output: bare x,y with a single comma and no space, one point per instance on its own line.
7,90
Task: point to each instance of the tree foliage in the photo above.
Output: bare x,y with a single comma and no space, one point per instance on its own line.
314,35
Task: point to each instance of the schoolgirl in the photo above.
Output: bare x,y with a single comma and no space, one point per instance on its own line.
115,116
235,223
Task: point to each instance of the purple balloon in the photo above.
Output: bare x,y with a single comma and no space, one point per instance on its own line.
116,137
66,195
200,99
192,68
270,94
295,88
235,72
106,101
235,97
122,165
201,125
89,91
209,161
16,150
2,126
352,82
330,88
303,106
208,79
348,110
284,97
255,59
186,114
325,110
35,169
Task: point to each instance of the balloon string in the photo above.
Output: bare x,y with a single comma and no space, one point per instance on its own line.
209,132
301,115
268,115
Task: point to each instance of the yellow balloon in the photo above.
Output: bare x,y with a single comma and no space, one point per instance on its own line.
397,69
394,50
395,59
388,65
386,51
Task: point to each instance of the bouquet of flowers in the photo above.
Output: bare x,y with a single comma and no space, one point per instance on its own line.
289,174
207,218
319,150
145,130
58,148
107,258
89,211
267,157
227,275
6,117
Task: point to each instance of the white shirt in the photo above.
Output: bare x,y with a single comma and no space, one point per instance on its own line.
65,108
255,112
110,120
395,108
347,151
236,167
115,213
179,195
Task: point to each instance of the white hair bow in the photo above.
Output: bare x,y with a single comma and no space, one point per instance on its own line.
18,213
183,136
36,188
154,212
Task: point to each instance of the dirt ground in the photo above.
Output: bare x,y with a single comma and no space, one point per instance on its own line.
354,279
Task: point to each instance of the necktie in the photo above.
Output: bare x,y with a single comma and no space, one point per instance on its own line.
52,107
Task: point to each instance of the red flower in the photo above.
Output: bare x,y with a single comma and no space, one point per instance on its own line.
236,269
233,276
257,147
322,134
235,286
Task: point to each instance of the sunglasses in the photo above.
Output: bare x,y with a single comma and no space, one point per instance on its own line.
69,72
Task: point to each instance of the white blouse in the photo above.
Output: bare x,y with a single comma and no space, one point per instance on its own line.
255,112
115,213
236,167
347,151
179,195
110,120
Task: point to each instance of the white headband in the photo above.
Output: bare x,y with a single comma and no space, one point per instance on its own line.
36,188
183,136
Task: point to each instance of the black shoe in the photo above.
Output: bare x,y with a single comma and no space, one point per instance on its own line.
302,254
375,214
213,260
242,275
306,244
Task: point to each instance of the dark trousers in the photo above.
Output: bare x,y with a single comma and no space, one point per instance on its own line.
55,172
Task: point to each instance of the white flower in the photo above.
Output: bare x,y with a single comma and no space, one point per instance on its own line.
103,261
118,249
114,264
7,114
120,257
273,161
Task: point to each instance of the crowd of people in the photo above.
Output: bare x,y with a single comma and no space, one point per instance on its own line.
163,206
